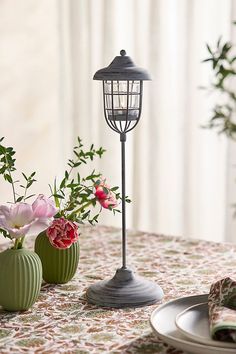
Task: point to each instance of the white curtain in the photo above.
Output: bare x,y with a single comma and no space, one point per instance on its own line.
177,171
180,177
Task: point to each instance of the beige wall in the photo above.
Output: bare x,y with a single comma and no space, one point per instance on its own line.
29,71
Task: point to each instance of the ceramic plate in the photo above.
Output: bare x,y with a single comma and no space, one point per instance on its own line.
163,324
194,324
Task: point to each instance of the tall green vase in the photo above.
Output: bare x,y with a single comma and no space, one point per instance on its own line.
20,279
59,265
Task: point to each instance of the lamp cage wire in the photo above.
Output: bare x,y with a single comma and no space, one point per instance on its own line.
122,104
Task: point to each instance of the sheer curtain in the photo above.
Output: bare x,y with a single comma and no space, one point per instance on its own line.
177,171
180,177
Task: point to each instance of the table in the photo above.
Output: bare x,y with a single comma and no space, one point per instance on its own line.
62,322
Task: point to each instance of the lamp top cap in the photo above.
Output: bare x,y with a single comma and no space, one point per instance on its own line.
122,68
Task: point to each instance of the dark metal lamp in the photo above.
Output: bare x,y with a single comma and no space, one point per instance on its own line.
122,94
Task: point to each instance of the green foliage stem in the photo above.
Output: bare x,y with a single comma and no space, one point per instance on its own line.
223,63
7,168
74,194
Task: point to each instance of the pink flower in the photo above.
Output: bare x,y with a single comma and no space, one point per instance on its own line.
101,190
44,207
19,220
62,233
104,195
109,202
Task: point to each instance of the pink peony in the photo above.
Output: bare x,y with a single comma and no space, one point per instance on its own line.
20,219
104,195
44,207
62,233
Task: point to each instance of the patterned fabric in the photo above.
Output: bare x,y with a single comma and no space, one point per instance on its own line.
222,310
62,322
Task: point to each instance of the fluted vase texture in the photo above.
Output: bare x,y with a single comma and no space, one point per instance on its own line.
59,265
20,279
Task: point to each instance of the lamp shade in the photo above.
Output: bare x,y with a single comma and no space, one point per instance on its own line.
122,68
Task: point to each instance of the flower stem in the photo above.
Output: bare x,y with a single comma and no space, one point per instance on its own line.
19,243
16,244
12,183
82,207
22,241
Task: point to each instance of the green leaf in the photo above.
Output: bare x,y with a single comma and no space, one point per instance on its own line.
82,160
55,196
113,189
76,153
8,178
2,150
30,196
4,232
29,184
63,183
208,59
208,48
85,215
19,199
58,196
25,177
105,190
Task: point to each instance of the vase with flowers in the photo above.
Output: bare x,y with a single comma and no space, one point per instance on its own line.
76,198
20,268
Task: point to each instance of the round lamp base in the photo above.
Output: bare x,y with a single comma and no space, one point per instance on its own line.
124,290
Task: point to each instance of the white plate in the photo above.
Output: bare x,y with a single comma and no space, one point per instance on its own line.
163,324
194,324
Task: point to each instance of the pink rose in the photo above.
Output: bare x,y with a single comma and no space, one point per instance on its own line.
104,195
44,207
62,233
110,202
101,190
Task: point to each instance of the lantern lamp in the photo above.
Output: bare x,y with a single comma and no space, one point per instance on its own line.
122,98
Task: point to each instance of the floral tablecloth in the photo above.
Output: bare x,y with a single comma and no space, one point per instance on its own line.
62,322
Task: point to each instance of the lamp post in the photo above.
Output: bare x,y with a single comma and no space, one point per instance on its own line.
122,95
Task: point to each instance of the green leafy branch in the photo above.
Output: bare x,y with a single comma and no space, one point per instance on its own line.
223,63
74,194
7,168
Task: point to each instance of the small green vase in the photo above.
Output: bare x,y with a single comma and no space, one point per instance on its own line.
59,265
20,279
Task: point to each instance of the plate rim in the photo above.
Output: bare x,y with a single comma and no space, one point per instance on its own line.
179,340
209,341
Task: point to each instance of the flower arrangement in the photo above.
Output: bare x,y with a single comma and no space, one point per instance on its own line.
74,195
20,218
54,220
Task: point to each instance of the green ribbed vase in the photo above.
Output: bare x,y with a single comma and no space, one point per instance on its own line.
20,279
59,265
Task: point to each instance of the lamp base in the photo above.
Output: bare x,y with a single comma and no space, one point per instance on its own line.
124,290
